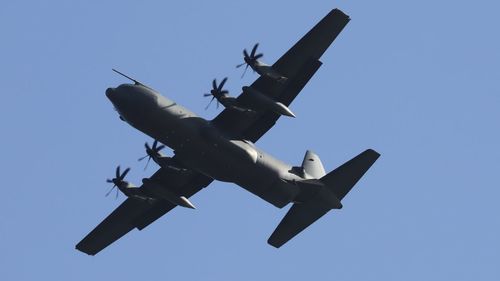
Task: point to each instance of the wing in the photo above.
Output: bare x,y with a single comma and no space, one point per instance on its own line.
138,213
298,64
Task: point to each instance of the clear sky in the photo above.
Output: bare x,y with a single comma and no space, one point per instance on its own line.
416,80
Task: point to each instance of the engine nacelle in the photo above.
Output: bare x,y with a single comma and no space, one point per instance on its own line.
263,102
161,191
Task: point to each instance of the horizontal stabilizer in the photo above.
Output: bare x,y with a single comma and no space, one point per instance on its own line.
342,179
297,219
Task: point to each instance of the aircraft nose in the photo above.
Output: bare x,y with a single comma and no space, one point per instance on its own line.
109,92
112,95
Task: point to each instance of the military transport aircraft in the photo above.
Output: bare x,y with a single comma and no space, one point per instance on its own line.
224,148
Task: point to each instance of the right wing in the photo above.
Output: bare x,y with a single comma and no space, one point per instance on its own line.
137,213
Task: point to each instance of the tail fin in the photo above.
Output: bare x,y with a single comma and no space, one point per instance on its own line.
312,165
336,185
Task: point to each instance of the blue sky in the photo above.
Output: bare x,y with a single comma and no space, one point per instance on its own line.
417,81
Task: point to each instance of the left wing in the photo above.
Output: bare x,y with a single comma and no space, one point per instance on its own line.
298,64
138,213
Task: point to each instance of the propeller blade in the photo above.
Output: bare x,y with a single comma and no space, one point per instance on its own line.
147,163
240,65
142,158
245,53
108,180
244,71
254,49
110,190
219,89
117,172
155,143
160,148
206,95
214,84
116,196
124,174
209,103
258,56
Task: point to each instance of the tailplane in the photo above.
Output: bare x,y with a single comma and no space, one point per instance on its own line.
336,185
341,180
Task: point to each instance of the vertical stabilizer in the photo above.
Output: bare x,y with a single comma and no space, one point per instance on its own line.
312,165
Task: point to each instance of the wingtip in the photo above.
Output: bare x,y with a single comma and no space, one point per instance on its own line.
81,249
373,152
340,13
273,243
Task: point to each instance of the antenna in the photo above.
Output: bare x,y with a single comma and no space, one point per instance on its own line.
128,77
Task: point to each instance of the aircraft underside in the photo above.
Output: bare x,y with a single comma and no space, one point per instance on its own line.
224,148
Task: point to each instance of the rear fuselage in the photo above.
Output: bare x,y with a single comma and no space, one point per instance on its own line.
200,146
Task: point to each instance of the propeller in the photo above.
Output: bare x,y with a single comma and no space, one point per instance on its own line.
250,59
217,92
152,152
118,180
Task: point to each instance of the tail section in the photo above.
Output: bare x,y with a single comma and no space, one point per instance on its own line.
336,185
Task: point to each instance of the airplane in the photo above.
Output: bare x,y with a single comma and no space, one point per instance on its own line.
224,148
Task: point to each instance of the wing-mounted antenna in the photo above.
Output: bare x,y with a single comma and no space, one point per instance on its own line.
136,82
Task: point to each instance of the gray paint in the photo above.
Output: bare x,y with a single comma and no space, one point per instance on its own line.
202,147
224,149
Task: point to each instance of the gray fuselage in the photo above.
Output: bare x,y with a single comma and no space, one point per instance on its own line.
201,147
